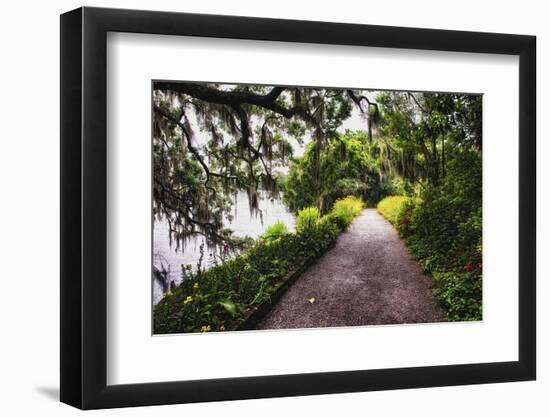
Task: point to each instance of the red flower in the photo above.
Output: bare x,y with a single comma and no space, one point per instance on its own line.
473,266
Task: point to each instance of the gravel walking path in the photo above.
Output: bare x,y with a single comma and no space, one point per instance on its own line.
368,277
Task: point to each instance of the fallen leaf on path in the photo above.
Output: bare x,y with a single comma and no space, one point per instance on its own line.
312,300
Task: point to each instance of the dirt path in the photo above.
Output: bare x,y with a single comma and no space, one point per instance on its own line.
369,277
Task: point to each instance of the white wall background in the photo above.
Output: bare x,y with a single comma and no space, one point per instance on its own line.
29,219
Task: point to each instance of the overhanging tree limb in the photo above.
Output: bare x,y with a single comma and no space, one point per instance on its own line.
192,149
237,98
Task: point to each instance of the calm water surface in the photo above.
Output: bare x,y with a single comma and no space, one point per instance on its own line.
243,224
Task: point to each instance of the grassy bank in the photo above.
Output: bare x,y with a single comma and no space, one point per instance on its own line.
220,298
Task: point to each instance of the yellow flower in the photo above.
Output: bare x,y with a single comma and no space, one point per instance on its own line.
188,300
195,285
205,329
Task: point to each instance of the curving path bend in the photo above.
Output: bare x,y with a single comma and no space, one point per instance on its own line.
367,278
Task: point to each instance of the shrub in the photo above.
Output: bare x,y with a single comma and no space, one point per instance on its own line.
219,298
347,208
405,225
331,226
275,231
447,222
318,233
460,294
444,230
307,219
468,246
390,207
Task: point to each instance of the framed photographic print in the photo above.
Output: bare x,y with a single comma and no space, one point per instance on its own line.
256,208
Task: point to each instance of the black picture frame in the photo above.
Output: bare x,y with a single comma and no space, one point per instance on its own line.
84,207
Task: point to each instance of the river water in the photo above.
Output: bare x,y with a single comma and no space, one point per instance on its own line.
243,224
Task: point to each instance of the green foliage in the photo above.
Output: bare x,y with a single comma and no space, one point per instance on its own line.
275,231
346,165
229,306
447,222
399,186
249,130
347,209
460,294
405,226
420,129
444,231
390,207
219,298
307,219
422,148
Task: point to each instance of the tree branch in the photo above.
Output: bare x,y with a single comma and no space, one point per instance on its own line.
411,95
192,149
235,99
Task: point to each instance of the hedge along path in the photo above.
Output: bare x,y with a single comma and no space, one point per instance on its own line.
368,277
